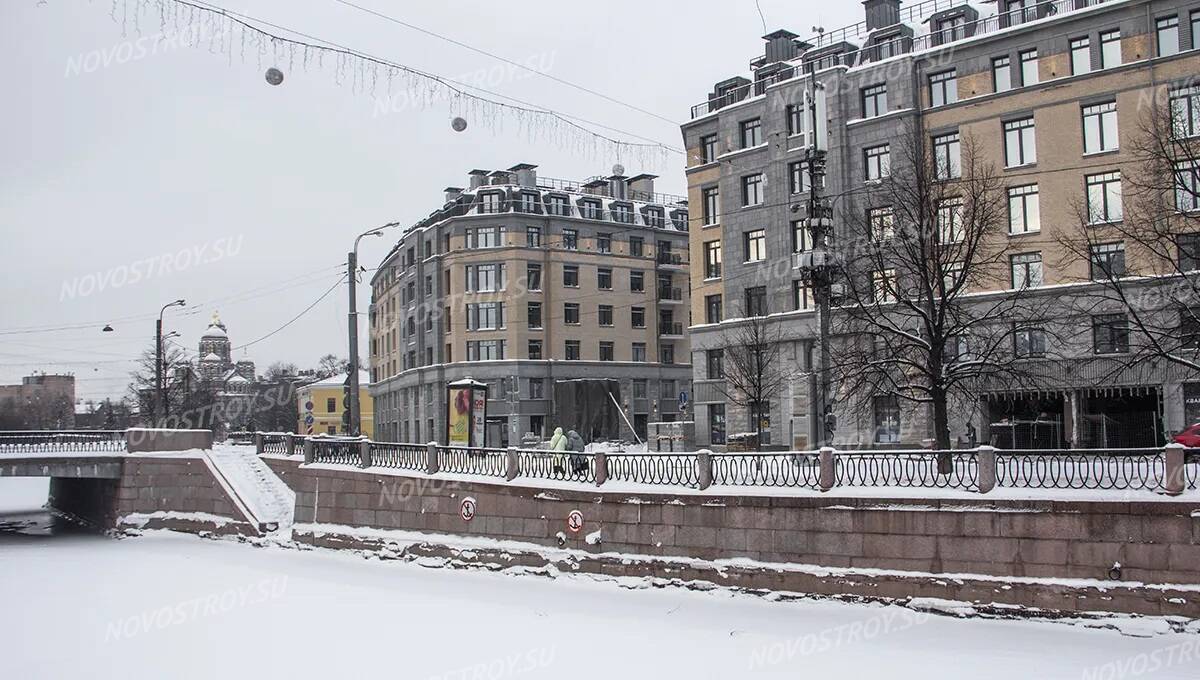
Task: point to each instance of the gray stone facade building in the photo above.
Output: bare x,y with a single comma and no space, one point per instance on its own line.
524,283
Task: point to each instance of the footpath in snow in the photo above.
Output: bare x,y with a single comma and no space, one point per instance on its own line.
264,494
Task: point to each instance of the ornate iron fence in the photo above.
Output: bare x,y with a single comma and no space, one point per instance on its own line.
799,469
567,466
274,443
336,451
466,461
1191,469
1106,469
400,456
49,441
679,469
240,438
917,469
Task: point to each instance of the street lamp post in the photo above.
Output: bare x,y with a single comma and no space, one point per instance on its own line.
352,275
160,397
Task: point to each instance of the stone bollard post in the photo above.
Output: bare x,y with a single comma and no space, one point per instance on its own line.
290,440
512,464
431,458
986,462
308,451
1175,471
704,468
258,443
364,452
601,461
828,475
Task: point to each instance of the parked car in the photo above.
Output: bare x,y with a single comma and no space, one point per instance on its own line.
1190,437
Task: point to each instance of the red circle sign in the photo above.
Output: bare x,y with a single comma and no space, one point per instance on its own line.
575,521
467,508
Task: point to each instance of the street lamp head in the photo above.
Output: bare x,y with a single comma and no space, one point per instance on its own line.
107,329
180,302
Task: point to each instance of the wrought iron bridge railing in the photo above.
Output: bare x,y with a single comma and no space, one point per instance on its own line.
56,441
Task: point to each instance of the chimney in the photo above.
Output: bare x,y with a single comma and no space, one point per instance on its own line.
882,13
781,46
597,187
526,174
641,187
500,177
617,187
478,178
452,194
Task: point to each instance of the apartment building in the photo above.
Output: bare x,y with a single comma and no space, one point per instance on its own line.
1051,91
534,286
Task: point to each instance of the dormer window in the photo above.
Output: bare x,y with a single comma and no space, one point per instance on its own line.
622,212
952,28
679,219
589,209
528,202
491,202
888,46
557,205
654,217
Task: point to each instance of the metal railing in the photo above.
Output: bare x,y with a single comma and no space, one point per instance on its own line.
911,469
50,441
670,294
670,328
1108,469
559,466
336,451
400,456
674,469
792,469
275,443
470,461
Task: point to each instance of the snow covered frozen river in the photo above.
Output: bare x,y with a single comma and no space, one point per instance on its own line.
174,606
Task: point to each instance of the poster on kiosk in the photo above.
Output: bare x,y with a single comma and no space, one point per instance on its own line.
466,414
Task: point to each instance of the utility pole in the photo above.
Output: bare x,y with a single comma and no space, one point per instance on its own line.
160,397
352,275
820,269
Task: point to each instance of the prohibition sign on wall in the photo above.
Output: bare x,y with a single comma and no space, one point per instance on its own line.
575,521
467,508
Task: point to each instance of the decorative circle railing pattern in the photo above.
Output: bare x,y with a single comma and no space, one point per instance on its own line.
1104,469
564,467
917,469
399,456
797,469
466,461
336,452
677,469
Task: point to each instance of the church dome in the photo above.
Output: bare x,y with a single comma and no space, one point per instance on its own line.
216,329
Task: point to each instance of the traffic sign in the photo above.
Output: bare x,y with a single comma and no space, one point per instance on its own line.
575,521
308,419
308,406
467,509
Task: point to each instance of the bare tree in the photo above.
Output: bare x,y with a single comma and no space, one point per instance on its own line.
330,365
142,388
755,372
926,313
1140,237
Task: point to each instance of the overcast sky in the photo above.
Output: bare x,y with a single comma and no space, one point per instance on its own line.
121,159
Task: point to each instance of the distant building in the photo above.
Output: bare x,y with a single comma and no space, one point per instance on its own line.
324,402
233,382
41,401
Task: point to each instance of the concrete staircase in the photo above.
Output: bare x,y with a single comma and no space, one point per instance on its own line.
265,496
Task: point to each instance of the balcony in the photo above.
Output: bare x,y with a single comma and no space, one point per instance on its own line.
669,259
670,329
670,295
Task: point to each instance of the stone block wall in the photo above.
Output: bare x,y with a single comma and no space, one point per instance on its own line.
177,485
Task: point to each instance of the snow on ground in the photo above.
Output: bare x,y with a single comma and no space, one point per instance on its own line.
265,495
169,605
21,494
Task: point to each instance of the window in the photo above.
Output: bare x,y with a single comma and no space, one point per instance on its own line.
640,388
712,260
874,101
711,209
1187,186
570,239
716,423
528,203
485,350
485,237
637,317
752,190
637,247
797,177
1196,30
1029,67
878,162
1001,74
666,353
604,315
943,88
604,279
802,298
606,351
1189,251
1107,261
331,405
535,315
637,282
589,209
882,223
622,213
801,237
1024,212
882,284
571,313
751,133
1020,142
1110,334
1081,56
795,119
1026,270
1104,198
1110,49
755,243
485,278
1029,342
571,275
715,360
887,419
537,388
639,352
712,309
485,316
572,351
533,237
1100,127
756,301
557,205
428,285
491,202
533,276
947,156
950,221
1185,109
535,349
1166,31
708,148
